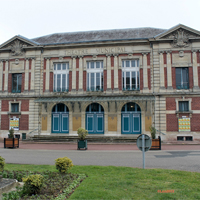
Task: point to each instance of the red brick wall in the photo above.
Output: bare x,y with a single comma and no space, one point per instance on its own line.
24,122
195,103
4,65
170,103
148,59
120,79
30,61
198,59
104,80
165,75
70,80
77,80
45,63
29,81
9,82
44,81
174,77
172,122
141,79
77,62
112,61
84,80
149,78
195,125
190,78
3,82
191,58
51,82
4,105
112,79
165,58
24,105
4,122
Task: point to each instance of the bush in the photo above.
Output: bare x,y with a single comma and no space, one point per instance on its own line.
11,133
153,132
63,164
2,164
82,133
32,184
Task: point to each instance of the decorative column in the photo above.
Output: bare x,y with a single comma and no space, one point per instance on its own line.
195,71
108,72
26,75
74,74
169,71
80,73
162,77
6,77
32,74
47,75
1,75
145,77
116,88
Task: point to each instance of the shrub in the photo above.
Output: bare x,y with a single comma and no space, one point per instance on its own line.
63,164
32,184
11,133
82,133
153,132
2,164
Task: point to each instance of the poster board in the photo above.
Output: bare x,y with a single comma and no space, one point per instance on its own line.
14,123
184,124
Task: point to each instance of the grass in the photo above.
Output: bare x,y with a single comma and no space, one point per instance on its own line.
128,183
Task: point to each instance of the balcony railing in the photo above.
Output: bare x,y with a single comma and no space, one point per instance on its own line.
61,90
131,89
182,87
94,89
16,91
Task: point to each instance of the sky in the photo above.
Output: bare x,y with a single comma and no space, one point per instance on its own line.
35,18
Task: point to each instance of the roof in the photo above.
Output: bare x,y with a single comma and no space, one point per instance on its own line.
102,35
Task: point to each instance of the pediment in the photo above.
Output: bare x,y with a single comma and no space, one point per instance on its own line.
17,45
179,35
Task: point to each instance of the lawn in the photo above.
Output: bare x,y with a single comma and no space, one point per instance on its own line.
128,183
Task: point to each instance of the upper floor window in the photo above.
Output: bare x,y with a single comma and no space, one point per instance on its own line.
61,77
95,76
16,83
14,107
130,75
182,78
183,106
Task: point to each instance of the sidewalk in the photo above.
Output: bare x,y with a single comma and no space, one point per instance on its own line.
101,146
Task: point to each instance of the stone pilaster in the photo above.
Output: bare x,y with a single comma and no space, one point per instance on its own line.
145,77
32,74
74,73
162,77
116,66
6,77
195,70
108,72
1,75
80,73
47,75
26,75
169,70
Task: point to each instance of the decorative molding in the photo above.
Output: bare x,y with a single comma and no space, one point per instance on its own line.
181,53
17,48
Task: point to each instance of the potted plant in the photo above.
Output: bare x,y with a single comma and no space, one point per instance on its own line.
156,143
82,142
11,141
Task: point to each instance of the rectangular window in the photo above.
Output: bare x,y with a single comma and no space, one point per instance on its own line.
130,75
16,83
183,106
14,107
95,76
182,78
61,77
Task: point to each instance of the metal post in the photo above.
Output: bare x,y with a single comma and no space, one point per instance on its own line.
143,153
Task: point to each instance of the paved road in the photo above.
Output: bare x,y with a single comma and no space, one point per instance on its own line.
188,160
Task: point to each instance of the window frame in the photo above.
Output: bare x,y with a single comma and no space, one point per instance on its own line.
61,72
17,90
93,69
128,67
184,85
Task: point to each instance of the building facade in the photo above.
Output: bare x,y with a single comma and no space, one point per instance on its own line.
113,83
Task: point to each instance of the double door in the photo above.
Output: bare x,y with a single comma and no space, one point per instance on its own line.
60,123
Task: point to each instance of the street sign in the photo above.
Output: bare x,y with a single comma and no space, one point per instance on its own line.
143,144
147,142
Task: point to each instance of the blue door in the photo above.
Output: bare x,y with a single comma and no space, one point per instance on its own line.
95,119
60,119
131,119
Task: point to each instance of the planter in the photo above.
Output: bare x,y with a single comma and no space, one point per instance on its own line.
82,144
156,144
11,142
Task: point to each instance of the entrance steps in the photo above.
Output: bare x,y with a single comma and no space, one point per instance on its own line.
90,138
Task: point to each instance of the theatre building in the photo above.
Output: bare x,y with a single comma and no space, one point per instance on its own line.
111,82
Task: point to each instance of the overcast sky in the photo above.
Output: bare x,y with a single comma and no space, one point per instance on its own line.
34,18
